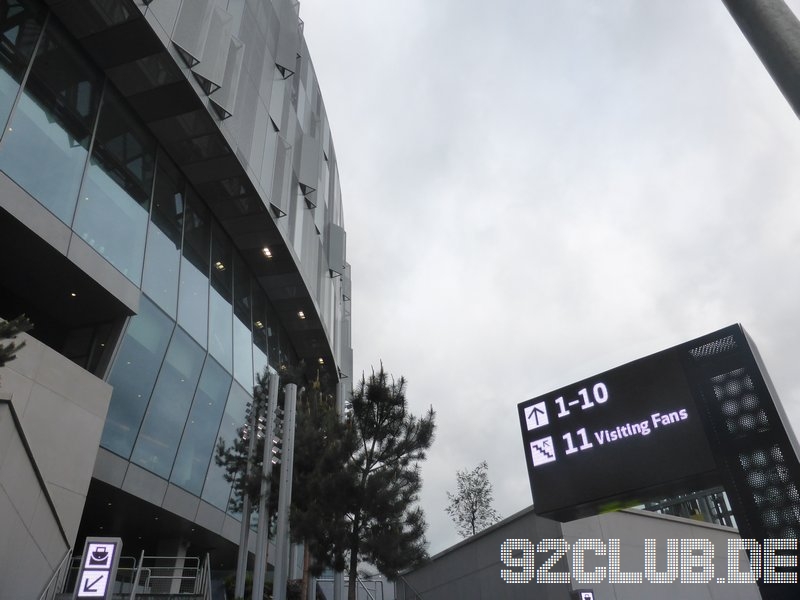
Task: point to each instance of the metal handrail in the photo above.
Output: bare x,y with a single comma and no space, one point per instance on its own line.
60,571
361,581
136,577
204,579
406,584
358,580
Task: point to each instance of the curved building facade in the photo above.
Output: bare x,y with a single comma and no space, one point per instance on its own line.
171,221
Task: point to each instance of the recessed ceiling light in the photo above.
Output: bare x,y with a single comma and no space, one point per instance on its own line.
259,325
219,266
321,360
266,252
73,294
301,314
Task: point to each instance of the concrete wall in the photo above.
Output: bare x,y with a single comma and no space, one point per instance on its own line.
632,527
46,460
33,542
472,569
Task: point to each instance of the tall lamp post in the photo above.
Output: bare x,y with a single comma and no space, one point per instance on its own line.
249,434
773,31
282,541
267,460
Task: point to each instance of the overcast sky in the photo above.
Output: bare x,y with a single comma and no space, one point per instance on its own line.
537,191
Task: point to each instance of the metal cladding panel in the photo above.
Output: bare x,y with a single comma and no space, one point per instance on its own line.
337,242
310,157
225,97
214,58
191,27
288,36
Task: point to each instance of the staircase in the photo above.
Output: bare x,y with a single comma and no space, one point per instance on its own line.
149,578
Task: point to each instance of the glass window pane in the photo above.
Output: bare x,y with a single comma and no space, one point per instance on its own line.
216,490
273,338
242,336
166,415
53,122
220,317
162,256
193,293
114,202
199,436
133,375
20,27
259,329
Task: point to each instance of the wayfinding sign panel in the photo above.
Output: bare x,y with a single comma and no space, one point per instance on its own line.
616,437
98,568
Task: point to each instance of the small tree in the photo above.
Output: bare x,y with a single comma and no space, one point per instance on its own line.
470,507
386,528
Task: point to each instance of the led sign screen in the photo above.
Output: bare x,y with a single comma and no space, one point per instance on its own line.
620,436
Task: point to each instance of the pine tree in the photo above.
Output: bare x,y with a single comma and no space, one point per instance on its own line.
323,444
387,529
9,331
471,506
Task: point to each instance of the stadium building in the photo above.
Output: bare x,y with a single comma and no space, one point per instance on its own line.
171,222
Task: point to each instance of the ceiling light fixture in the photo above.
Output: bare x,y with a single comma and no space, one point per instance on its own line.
301,314
219,266
266,252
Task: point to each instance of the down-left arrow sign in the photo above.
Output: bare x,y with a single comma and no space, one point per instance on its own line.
93,584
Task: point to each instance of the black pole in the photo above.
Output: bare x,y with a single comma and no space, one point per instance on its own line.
773,31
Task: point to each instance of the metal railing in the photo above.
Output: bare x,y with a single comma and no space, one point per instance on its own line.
165,575
58,578
150,576
363,591
405,591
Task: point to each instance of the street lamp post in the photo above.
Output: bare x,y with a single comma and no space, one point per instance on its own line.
262,536
249,430
285,495
773,31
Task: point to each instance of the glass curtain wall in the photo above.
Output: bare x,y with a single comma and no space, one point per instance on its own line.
185,367
53,122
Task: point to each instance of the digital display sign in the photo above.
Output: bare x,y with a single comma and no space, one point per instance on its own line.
620,436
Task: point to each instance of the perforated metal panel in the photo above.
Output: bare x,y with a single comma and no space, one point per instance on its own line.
753,445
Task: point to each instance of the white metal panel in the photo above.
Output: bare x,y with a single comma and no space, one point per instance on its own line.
214,57
191,28
337,239
225,96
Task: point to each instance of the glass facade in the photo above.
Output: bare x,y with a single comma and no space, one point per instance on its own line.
107,178
53,122
185,365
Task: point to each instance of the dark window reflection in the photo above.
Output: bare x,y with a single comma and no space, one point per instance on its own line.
133,375
273,337
242,336
220,317
199,436
53,122
193,292
260,360
166,415
162,255
114,202
20,27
